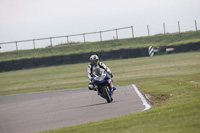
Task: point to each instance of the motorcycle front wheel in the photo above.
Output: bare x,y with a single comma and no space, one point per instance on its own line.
106,93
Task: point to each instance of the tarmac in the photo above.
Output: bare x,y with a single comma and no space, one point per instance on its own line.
40,111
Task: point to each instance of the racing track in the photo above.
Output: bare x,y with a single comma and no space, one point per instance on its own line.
41,111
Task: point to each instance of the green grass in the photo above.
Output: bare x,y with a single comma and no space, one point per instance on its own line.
159,76
65,49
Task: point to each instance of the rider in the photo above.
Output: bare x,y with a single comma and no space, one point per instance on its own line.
94,63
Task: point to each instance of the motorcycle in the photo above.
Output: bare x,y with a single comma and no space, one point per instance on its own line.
103,84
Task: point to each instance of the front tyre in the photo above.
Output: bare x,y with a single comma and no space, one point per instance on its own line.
106,93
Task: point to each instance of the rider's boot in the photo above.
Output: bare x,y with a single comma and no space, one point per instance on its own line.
114,88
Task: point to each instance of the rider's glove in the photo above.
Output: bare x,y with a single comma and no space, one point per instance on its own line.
111,75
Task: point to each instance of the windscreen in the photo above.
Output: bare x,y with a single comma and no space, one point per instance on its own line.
97,71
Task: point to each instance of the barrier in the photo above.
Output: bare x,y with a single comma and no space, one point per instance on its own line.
84,57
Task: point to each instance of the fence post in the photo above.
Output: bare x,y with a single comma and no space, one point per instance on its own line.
179,29
196,25
100,36
116,35
164,28
84,37
132,31
51,42
148,30
34,44
16,46
67,39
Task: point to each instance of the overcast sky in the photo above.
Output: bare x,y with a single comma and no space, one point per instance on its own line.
29,19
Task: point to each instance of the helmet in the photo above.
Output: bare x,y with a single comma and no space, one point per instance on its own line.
94,59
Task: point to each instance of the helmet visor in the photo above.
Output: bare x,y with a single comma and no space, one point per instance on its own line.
93,62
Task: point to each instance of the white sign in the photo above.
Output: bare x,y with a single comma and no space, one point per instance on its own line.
151,51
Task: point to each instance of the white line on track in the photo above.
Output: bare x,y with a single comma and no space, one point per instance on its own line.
145,103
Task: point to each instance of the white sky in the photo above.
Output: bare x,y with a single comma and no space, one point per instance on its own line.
29,19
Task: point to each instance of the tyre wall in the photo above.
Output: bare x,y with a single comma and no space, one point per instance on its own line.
84,57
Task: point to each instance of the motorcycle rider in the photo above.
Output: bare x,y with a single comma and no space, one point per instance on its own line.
94,63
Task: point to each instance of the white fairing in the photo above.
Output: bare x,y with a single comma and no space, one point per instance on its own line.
100,78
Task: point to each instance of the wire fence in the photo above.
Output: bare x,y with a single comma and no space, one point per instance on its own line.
68,39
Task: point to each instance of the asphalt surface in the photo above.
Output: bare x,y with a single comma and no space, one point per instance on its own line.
34,112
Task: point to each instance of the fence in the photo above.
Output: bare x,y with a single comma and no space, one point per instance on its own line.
68,41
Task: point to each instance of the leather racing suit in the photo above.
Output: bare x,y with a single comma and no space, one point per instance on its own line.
90,71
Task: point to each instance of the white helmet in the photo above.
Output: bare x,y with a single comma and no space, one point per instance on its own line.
94,59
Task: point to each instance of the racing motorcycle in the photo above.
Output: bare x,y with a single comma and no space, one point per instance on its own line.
103,84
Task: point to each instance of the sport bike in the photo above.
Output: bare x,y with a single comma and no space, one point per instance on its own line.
103,84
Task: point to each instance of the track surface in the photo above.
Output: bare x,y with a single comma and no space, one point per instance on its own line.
26,113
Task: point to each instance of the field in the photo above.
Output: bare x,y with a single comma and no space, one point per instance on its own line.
65,49
172,81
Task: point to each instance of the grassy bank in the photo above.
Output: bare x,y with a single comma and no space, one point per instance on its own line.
65,49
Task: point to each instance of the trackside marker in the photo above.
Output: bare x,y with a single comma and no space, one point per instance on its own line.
151,51
147,106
